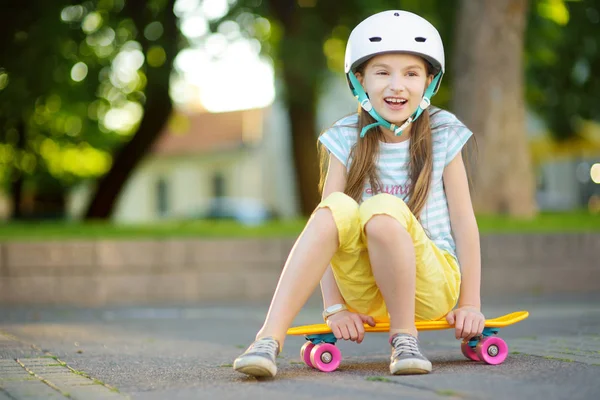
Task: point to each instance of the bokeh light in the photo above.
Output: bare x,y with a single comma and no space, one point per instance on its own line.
91,22
156,56
72,13
595,173
194,26
3,79
153,31
79,71
214,9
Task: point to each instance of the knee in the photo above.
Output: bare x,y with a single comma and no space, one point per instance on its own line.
322,225
385,200
340,199
342,205
385,205
384,229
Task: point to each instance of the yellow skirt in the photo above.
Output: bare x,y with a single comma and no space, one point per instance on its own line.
438,273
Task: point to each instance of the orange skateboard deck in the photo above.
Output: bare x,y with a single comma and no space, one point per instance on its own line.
321,353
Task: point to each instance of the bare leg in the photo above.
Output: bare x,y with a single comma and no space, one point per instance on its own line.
392,256
301,274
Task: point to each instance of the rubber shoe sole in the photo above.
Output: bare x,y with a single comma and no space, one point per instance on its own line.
410,367
255,366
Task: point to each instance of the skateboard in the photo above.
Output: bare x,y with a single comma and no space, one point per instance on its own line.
320,352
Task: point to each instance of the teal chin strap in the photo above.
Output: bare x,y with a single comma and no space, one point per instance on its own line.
365,103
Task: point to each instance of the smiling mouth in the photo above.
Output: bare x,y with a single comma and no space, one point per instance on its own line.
395,101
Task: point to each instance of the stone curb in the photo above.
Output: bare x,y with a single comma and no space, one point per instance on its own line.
178,271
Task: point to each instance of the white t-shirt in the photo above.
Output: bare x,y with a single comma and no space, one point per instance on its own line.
449,137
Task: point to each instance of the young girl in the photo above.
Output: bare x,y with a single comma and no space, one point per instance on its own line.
395,229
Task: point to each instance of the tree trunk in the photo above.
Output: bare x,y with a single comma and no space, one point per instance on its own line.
488,97
17,178
296,54
157,110
306,163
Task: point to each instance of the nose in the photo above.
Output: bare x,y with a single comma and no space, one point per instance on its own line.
397,83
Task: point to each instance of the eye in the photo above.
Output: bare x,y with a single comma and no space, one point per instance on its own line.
412,73
381,73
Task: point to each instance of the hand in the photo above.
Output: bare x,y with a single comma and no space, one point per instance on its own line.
349,326
468,322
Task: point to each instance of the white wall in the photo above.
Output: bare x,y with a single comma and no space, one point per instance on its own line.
280,191
561,189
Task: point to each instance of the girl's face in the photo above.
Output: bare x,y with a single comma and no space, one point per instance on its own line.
395,84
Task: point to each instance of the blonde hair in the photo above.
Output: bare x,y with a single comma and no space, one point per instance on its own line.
365,152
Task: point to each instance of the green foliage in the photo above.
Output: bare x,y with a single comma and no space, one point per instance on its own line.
563,51
74,93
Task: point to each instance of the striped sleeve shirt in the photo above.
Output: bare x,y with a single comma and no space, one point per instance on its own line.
449,137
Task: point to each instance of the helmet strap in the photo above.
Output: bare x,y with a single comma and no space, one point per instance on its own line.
366,105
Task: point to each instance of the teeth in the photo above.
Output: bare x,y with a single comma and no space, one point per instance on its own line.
396,101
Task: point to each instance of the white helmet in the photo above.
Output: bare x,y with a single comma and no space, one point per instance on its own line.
395,31
387,32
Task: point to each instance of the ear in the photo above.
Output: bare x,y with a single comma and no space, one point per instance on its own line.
429,80
360,78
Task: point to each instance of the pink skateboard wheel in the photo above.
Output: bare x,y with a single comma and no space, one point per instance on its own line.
492,350
469,352
325,357
305,353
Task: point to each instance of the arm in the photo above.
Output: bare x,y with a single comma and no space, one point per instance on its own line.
466,235
335,182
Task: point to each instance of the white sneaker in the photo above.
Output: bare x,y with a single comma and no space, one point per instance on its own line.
406,356
259,359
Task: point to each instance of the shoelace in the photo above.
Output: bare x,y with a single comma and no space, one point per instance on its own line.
404,344
267,346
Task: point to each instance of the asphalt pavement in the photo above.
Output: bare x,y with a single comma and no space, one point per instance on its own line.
185,352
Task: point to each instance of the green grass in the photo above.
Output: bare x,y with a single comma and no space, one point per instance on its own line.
576,221
181,229
378,379
579,221
448,392
558,359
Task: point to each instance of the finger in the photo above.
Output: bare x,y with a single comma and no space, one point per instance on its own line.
450,318
336,332
366,319
360,330
481,326
468,328
477,328
352,331
345,333
458,325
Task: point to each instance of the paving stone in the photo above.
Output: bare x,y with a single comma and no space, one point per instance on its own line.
31,390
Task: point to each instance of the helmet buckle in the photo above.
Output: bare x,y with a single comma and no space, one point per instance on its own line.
366,105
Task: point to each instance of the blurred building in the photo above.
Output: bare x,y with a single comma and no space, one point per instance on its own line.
222,165
568,172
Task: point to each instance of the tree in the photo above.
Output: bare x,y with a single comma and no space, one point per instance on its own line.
75,80
158,104
488,96
562,51
44,113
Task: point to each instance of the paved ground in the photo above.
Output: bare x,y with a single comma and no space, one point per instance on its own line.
186,353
